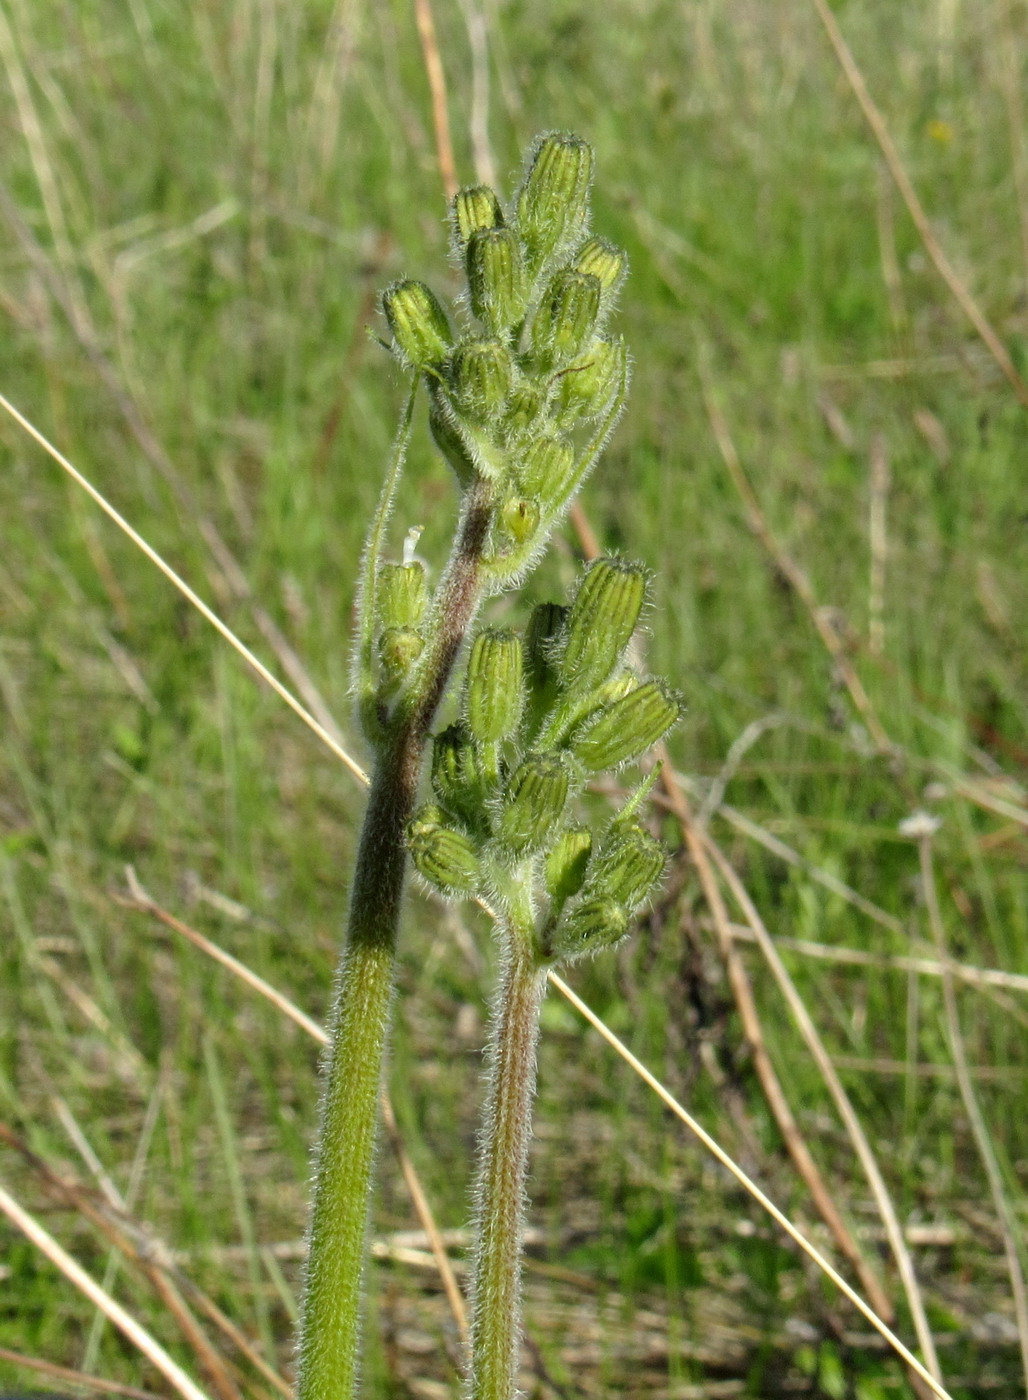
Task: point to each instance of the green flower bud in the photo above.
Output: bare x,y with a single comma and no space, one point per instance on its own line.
398,649
630,870
567,861
457,777
450,441
496,278
545,467
418,323
602,619
606,263
446,858
534,801
519,518
524,406
553,201
402,595
627,728
545,628
566,319
481,373
589,927
474,209
587,388
494,694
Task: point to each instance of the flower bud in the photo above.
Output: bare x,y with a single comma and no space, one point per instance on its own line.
602,619
533,802
398,649
473,209
545,627
402,595
587,388
630,870
457,777
495,278
606,263
627,728
567,861
494,693
450,441
418,323
519,518
524,406
446,858
553,201
595,924
545,467
481,373
566,319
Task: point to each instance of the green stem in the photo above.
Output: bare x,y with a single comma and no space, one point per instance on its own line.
330,1324
500,1195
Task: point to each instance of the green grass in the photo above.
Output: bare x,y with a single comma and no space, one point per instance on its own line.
735,167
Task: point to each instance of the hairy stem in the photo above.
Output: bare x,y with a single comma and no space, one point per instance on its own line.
500,1195
331,1317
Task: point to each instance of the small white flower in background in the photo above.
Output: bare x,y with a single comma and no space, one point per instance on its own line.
919,825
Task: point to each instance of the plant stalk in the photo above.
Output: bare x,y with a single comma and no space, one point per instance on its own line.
330,1325
500,1192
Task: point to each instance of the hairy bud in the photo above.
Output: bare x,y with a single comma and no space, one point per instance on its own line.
519,517
457,777
474,209
534,801
603,617
418,323
445,857
627,728
398,649
494,693
630,870
481,373
565,321
567,861
607,264
526,403
591,926
553,201
496,278
545,467
588,387
450,441
402,595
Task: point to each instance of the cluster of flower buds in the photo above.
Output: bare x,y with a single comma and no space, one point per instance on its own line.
540,715
510,387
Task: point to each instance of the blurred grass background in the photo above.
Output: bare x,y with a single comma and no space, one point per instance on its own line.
199,204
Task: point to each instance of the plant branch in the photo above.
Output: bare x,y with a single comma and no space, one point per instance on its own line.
500,1194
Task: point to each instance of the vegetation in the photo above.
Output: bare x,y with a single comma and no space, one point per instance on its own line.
201,207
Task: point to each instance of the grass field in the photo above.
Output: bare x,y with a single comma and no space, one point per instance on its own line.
199,205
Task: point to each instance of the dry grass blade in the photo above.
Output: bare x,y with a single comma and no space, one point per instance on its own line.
437,86
105,1211
841,1099
751,1186
124,1321
933,247
226,632
139,899
770,1083
1009,1225
72,1377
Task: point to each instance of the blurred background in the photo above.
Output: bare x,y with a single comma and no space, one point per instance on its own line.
823,462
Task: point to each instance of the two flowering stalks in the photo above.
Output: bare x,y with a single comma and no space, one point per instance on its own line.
522,399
